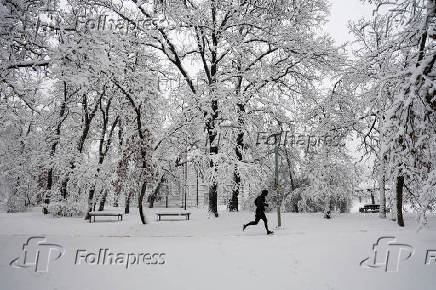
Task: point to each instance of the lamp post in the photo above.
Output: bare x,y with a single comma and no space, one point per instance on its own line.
197,185
186,177
276,183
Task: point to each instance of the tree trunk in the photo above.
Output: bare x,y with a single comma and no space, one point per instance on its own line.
48,189
400,185
140,199
382,186
327,209
213,199
213,116
155,192
118,182
393,205
90,202
103,201
291,178
151,200
64,187
143,150
53,149
233,205
212,134
296,207
91,195
127,203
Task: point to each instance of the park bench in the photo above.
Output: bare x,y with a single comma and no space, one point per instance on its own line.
100,213
161,214
370,208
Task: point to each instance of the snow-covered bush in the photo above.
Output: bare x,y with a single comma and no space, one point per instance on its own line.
16,203
291,201
66,208
309,201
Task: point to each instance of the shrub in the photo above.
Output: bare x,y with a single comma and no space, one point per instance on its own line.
66,208
16,203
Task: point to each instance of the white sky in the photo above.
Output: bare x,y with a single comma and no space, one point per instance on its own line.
341,12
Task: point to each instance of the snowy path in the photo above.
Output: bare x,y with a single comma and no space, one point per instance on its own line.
309,253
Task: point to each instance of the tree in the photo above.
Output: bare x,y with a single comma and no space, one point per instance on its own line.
405,55
243,49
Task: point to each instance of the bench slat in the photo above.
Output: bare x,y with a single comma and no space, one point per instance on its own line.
96,214
161,214
105,214
173,214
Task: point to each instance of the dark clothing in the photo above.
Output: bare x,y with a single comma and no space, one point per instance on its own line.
260,212
259,216
260,203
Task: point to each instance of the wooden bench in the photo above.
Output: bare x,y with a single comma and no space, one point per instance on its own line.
100,213
161,214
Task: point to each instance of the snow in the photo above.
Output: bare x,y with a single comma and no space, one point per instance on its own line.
213,253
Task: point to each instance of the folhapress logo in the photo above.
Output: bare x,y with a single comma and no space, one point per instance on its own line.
38,254
387,255
107,257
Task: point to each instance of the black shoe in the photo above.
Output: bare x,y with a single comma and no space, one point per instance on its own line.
269,232
243,227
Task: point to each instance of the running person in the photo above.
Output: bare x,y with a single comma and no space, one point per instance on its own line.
260,212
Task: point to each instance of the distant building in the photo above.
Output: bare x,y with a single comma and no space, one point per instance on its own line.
172,191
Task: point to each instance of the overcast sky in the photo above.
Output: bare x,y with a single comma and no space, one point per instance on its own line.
341,12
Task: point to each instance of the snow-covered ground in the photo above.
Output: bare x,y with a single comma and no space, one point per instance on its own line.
207,253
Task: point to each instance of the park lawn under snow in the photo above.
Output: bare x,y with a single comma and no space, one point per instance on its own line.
309,252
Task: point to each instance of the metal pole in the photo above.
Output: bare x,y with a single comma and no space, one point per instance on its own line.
197,187
169,187
186,176
276,184
166,200
179,187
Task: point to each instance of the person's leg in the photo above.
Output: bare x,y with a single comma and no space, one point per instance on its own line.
265,221
252,223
